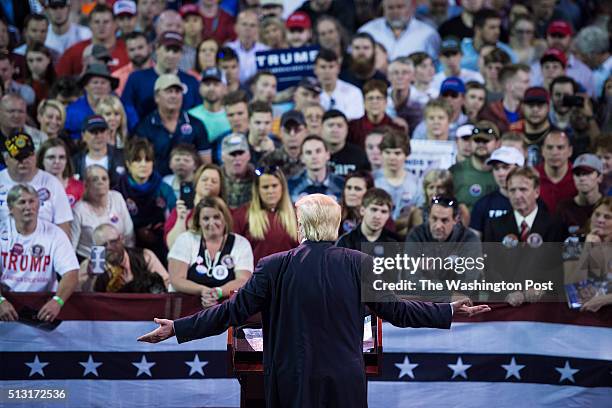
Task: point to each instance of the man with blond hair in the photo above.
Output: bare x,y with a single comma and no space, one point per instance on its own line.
312,315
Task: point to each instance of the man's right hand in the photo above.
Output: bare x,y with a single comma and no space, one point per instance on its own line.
7,312
464,307
163,332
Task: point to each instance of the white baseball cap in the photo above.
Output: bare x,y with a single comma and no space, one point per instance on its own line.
508,155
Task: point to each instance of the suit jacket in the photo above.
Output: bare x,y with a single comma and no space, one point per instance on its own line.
312,316
539,263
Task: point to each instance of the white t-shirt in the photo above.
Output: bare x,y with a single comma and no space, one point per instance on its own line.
187,246
86,221
54,204
101,162
29,263
61,43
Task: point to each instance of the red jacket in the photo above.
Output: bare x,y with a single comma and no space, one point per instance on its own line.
494,112
71,63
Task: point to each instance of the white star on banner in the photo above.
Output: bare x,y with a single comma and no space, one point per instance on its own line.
144,367
513,369
36,366
406,368
90,366
459,368
196,365
567,372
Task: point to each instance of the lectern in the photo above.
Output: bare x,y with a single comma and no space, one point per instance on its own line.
245,354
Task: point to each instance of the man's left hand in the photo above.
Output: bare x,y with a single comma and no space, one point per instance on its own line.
49,311
464,307
163,332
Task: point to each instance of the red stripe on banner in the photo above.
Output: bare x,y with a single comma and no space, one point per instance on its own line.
544,313
138,307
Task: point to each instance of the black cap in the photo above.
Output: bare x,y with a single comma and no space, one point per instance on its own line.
310,83
56,3
212,73
292,116
19,145
94,122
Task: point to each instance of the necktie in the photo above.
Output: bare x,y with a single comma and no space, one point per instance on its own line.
524,231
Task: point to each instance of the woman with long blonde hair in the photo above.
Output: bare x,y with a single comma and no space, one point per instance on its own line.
268,221
111,109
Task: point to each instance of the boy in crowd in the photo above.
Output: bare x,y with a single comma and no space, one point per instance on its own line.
375,211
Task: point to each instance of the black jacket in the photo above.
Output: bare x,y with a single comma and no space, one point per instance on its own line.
116,164
312,315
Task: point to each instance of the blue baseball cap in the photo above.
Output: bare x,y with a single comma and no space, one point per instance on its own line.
94,122
452,84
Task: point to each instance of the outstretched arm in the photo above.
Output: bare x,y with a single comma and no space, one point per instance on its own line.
215,320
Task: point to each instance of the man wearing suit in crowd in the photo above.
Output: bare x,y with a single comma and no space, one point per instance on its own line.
312,314
523,231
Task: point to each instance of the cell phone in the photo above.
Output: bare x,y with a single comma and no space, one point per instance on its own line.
97,259
573,101
187,194
29,316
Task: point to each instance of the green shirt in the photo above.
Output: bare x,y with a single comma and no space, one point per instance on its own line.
216,123
471,183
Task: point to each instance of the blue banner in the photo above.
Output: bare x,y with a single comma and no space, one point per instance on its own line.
289,65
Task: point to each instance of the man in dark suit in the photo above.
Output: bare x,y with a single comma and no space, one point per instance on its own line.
312,315
523,231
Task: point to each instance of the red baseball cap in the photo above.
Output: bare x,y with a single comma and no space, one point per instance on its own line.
190,10
536,94
559,27
299,19
554,54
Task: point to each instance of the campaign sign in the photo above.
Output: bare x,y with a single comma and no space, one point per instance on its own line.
289,65
430,154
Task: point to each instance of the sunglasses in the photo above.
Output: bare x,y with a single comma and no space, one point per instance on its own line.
452,94
444,201
260,171
557,35
449,54
483,131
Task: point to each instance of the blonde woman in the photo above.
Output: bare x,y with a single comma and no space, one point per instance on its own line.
268,221
51,114
111,109
209,260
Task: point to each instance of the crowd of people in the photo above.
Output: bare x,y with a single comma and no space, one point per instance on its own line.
146,128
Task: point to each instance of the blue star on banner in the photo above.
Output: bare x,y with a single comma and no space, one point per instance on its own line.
406,368
196,366
144,367
567,372
36,366
459,369
91,366
513,369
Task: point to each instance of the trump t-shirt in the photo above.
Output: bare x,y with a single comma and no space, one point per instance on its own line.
29,263
54,204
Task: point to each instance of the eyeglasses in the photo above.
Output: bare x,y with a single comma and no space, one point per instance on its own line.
444,201
452,94
113,242
483,131
260,171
